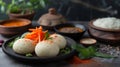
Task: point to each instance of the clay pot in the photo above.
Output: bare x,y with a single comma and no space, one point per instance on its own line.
24,16
104,35
9,31
50,19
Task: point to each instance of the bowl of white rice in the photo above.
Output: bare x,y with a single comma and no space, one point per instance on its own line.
105,29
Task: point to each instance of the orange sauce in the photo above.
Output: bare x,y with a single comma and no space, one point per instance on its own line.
14,23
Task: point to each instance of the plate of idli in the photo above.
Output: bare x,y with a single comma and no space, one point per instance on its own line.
39,46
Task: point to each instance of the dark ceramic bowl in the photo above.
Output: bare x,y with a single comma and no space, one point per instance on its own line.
104,35
75,36
9,31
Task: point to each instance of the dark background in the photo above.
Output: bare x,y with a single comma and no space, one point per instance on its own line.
82,10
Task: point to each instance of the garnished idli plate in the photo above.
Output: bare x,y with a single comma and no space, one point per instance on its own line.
34,59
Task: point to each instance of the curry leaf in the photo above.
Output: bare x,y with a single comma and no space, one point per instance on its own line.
29,55
89,52
102,55
10,44
47,36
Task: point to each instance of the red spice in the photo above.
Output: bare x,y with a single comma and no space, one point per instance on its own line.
77,60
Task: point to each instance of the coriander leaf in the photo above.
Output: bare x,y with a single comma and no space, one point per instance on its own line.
77,47
85,53
47,36
29,55
92,50
89,52
10,44
102,55
65,51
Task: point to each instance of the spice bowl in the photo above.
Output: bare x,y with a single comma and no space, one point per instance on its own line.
13,27
88,41
71,30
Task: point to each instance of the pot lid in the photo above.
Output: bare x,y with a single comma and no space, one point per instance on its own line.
51,15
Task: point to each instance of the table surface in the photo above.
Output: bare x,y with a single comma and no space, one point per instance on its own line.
6,61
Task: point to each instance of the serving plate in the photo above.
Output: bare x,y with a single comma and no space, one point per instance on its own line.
9,51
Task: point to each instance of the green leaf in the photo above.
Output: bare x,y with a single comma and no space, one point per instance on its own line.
46,36
89,52
16,6
2,8
92,50
13,9
65,51
102,55
42,2
82,57
77,47
29,55
13,1
86,53
10,44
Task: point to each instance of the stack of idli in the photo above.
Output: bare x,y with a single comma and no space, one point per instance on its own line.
44,49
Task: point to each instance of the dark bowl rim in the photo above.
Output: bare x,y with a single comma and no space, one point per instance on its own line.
20,19
69,24
116,40
101,29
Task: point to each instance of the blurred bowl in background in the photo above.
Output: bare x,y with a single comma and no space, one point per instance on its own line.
71,30
12,27
104,35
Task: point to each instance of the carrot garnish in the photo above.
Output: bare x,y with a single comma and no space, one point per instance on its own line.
36,34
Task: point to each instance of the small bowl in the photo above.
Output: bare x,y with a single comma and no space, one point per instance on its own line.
75,36
12,27
88,41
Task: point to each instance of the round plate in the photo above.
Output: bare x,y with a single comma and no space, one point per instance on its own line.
9,51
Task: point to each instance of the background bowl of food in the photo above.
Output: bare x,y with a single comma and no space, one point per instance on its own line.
105,29
12,27
71,30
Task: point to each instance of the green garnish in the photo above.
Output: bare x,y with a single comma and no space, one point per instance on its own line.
89,52
10,44
28,55
102,55
47,36
65,51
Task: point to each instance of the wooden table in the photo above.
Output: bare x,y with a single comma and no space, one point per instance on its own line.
6,61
